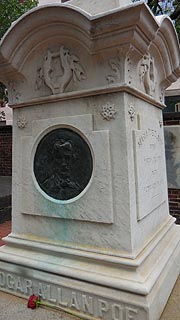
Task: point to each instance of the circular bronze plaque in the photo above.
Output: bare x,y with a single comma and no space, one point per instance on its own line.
63,164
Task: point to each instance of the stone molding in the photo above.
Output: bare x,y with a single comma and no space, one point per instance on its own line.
86,93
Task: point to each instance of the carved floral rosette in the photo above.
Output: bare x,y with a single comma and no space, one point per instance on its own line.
108,111
22,122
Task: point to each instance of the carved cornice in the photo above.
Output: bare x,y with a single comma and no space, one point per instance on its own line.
88,93
98,38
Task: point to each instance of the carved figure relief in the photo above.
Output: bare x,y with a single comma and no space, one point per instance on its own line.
147,73
63,164
108,111
22,123
58,69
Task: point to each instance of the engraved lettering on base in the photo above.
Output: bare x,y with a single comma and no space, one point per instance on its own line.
10,281
130,313
63,164
87,304
117,312
60,300
74,302
103,307
82,302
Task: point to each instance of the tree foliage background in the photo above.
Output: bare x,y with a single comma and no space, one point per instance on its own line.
172,8
169,7
11,10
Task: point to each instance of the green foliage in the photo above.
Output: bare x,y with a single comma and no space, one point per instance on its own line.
169,7
11,10
177,25
3,95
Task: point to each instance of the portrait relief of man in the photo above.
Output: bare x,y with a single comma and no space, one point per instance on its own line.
63,164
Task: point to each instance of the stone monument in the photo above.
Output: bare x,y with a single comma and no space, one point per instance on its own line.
91,229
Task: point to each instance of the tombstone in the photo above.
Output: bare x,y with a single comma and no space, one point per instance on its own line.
91,230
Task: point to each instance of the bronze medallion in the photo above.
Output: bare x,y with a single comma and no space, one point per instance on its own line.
63,164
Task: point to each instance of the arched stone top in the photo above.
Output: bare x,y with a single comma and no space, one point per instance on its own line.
170,46
109,49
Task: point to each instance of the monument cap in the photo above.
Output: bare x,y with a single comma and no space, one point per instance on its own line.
92,7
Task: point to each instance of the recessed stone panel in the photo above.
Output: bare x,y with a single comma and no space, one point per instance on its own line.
88,168
149,170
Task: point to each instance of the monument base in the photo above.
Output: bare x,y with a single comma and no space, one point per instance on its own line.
94,286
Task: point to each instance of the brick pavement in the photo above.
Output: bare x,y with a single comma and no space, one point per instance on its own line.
5,229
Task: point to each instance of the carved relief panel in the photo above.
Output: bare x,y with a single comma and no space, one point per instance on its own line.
58,69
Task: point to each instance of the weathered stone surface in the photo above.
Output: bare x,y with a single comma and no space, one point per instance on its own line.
96,7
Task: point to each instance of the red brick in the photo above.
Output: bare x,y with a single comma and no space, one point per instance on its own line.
173,204
172,122
172,196
5,229
6,150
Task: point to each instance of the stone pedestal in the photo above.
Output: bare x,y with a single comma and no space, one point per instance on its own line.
91,227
